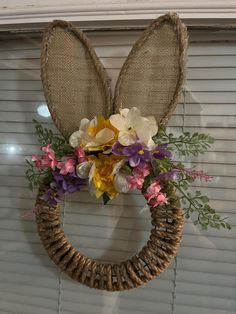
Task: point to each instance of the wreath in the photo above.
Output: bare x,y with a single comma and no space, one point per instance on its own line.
119,152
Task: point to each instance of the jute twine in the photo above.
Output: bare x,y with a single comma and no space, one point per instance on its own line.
77,86
144,266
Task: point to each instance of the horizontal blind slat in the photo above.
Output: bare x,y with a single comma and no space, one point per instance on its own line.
209,107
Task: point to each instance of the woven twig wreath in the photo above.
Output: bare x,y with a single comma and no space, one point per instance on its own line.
77,86
144,266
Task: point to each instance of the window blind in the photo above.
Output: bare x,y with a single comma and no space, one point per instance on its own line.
202,279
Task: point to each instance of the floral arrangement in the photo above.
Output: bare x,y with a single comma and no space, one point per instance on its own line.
123,153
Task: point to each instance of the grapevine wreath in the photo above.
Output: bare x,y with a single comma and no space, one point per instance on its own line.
114,145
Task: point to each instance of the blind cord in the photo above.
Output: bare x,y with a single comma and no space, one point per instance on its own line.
174,287
184,107
176,260
59,276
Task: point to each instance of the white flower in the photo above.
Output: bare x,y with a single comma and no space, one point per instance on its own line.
131,125
118,166
83,169
94,133
75,138
120,183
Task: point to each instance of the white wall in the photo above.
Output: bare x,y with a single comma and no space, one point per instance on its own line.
35,11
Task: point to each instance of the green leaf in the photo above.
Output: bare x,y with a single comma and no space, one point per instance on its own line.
106,198
204,199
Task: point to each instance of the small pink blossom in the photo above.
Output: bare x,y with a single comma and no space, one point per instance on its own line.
48,150
135,182
66,166
154,196
37,160
139,173
155,187
159,200
80,154
143,170
46,160
29,214
196,174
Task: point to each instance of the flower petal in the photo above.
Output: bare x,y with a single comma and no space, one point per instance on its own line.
92,172
75,138
133,115
146,129
127,138
92,189
118,121
121,184
84,124
134,161
118,166
124,112
83,169
104,136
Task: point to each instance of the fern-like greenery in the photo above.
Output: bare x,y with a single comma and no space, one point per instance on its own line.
196,205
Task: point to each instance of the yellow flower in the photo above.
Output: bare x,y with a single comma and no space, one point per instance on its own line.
103,173
97,134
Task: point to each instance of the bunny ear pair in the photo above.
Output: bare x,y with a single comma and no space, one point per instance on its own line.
77,86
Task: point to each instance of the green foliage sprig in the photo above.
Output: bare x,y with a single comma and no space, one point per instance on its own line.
194,204
61,148
36,176
186,144
197,204
46,136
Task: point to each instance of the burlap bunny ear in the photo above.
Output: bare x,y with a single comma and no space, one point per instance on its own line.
74,81
152,76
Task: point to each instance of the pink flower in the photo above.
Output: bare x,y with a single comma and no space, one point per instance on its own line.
48,150
196,174
135,182
155,187
139,173
143,170
46,160
161,199
66,166
29,214
37,160
154,196
80,154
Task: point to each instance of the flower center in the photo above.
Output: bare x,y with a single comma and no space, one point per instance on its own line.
141,152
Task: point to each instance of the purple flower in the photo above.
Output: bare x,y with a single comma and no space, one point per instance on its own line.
52,196
69,183
135,153
117,149
161,152
168,175
60,185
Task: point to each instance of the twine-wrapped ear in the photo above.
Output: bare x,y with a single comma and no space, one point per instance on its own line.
74,81
152,77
